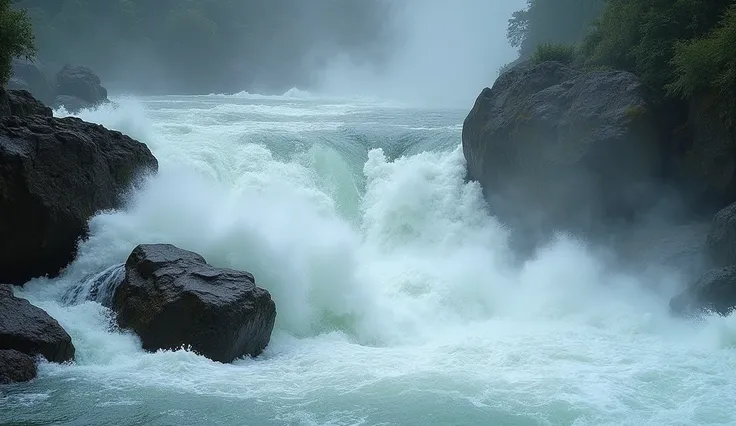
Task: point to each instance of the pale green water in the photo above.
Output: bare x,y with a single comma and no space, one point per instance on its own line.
397,302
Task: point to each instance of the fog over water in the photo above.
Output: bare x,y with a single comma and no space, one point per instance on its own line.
400,299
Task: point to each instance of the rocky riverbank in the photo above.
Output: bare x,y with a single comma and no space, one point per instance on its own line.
594,153
55,174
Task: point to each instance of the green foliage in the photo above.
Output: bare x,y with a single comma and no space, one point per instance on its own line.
551,21
707,63
559,52
16,38
643,36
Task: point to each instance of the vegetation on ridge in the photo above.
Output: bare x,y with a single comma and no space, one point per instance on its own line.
679,48
16,38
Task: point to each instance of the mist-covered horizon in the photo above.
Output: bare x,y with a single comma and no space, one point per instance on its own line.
425,51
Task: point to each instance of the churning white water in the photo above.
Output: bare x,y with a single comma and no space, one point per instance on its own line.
399,301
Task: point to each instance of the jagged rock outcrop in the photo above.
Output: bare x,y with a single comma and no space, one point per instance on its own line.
55,174
172,298
558,149
22,104
30,330
78,87
16,367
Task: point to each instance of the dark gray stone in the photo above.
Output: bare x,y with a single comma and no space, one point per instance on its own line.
557,149
22,104
172,298
55,174
16,367
80,82
29,329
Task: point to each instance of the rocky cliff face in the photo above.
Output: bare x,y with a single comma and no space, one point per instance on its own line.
561,149
557,149
54,175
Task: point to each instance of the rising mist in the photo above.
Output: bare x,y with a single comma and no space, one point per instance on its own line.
444,52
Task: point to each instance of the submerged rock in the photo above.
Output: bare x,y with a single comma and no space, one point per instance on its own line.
557,149
30,330
172,298
55,174
16,367
714,292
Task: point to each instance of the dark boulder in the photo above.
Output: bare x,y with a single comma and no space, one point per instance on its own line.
558,149
29,329
714,292
172,298
55,174
16,367
82,83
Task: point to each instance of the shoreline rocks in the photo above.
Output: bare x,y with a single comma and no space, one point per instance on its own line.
172,298
56,174
16,367
547,137
27,331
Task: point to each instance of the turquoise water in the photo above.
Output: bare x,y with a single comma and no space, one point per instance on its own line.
399,302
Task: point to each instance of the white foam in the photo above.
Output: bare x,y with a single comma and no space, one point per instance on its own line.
415,298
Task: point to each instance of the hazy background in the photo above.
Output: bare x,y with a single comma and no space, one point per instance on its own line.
426,50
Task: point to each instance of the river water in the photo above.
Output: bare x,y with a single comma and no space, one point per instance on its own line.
399,301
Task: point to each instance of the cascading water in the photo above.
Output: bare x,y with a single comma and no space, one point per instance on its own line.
399,301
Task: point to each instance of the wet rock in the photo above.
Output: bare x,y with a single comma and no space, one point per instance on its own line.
172,298
30,330
16,367
55,174
558,149
22,104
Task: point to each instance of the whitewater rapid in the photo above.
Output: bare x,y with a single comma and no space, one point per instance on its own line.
399,300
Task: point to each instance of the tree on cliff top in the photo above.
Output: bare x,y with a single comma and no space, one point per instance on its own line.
16,38
551,21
